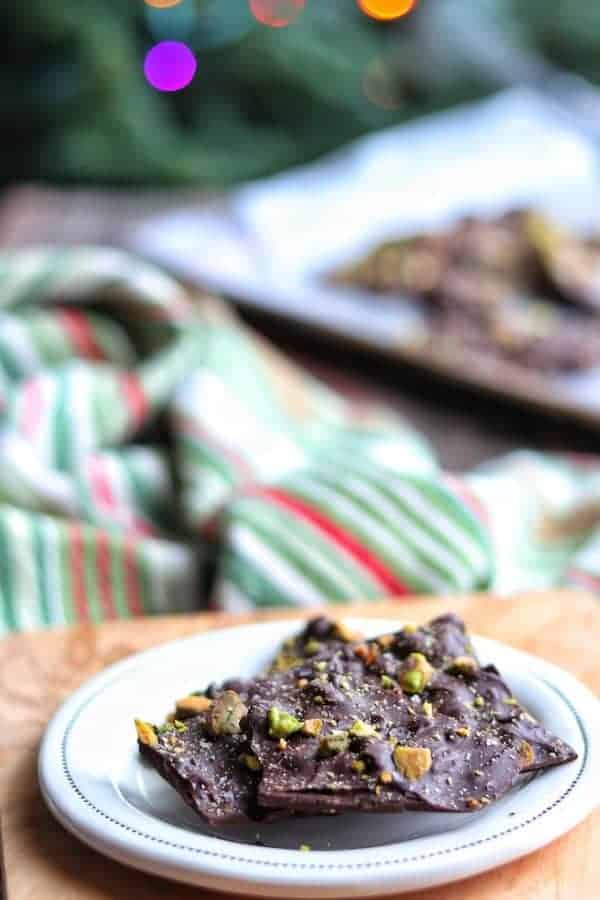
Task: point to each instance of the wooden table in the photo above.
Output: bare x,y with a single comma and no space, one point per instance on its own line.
38,671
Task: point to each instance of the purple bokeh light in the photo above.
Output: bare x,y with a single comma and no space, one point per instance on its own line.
170,66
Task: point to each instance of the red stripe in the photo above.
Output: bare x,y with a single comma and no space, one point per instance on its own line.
32,408
100,483
340,536
104,578
592,582
132,586
80,333
80,604
135,397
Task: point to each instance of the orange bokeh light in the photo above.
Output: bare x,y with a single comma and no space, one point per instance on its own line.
163,4
276,13
386,10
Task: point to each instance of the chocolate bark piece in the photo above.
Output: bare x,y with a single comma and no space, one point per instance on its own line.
457,727
205,770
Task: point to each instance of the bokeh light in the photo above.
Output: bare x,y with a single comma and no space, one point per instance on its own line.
386,10
163,4
276,13
170,66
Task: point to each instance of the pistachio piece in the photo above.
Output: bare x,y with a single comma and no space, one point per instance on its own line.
320,665
367,652
412,762
146,733
312,727
427,709
466,665
386,777
358,766
302,683
312,647
343,632
336,742
305,848
361,729
192,705
463,731
418,674
250,761
282,724
387,682
284,661
473,803
409,628
227,712
526,755
479,701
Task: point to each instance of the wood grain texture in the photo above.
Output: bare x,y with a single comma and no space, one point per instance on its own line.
38,671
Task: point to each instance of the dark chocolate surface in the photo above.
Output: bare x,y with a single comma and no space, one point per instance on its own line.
357,719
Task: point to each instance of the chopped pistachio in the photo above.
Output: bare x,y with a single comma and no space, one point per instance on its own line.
312,647
467,665
282,724
345,683
343,633
305,848
473,803
418,674
146,733
387,682
250,761
285,661
409,628
367,652
413,762
386,777
526,754
312,727
282,744
479,701
463,731
358,765
192,705
428,709
320,665
302,683
336,742
511,701
361,729
227,712
179,726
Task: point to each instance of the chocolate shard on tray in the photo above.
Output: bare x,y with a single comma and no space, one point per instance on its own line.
406,721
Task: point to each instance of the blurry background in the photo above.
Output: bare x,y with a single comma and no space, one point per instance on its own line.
75,107
90,149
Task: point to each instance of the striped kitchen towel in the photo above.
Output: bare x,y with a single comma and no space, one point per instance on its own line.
156,456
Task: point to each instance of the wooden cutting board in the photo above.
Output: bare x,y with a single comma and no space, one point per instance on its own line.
38,671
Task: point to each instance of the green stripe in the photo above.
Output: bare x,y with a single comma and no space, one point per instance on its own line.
272,529
90,568
117,576
41,569
65,573
62,424
145,579
250,581
6,581
203,456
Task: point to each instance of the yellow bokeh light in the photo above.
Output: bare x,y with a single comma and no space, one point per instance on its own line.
386,10
163,4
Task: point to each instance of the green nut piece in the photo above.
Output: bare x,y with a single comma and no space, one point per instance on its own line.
282,724
320,665
146,733
387,682
360,729
312,647
227,712
415,678
336,742
427,709
250,761
358,766
412,762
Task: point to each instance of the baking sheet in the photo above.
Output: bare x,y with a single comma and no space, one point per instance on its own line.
268,244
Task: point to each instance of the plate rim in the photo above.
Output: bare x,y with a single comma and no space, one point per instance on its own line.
280,874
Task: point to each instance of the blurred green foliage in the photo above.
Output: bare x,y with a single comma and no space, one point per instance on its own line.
74,105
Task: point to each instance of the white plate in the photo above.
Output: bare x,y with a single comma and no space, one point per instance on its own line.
96,785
